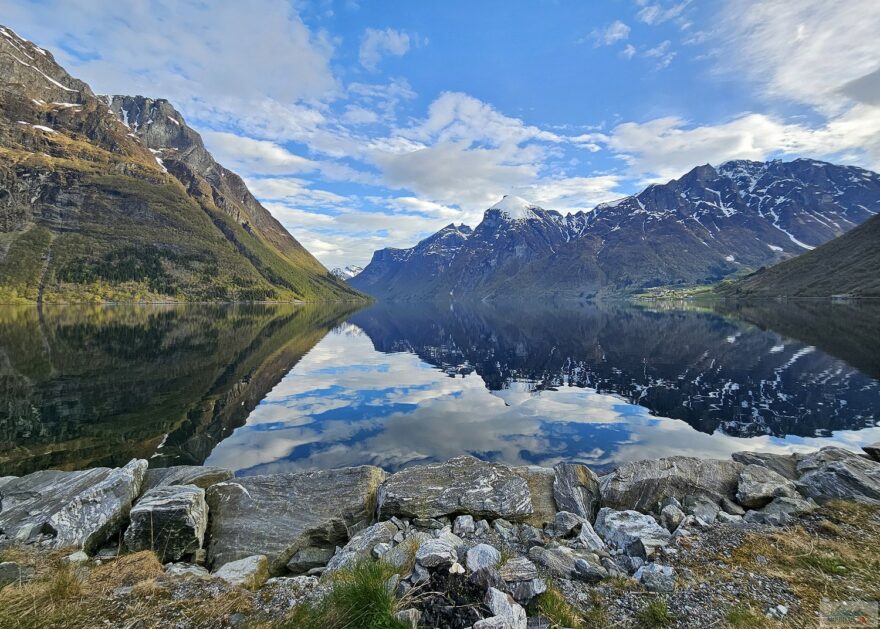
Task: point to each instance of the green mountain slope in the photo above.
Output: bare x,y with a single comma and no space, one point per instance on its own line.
848,265
90,211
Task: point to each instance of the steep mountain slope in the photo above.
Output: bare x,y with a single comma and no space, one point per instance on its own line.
706,225
849,265
92,209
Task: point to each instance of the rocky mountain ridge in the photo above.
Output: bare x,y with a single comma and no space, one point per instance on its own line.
117,199
347,272
710,223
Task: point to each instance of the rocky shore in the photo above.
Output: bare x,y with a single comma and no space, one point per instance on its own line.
465,543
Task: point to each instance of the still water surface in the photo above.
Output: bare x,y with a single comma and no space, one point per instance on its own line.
270,388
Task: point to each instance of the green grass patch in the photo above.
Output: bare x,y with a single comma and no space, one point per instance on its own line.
552,606
744,617
656,614
358,599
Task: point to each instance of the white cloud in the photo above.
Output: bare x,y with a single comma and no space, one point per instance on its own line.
292,190
614,32
807,51
659,12
246,155
662,53
628,52
359,115
376,44
574,193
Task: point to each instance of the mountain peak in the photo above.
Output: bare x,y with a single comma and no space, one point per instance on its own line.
515,208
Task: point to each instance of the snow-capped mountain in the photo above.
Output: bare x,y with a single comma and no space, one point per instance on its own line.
346,273
702,227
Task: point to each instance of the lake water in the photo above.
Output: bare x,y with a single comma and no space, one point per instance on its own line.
271,388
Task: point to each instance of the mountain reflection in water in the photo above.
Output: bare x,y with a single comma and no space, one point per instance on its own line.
262,388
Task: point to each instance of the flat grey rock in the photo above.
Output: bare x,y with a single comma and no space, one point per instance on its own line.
631,532
759,485
502,605
463,485
198,475
588,539
78,509
702,507
640,485
434,553
185,570
464,525
250,572
783,464
518,569
170,520
780,512
524,591
277,515
576,490
564,563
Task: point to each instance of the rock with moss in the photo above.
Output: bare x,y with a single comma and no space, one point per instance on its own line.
463,485
250,572
71,509
541,482
277,515
640,485
170,520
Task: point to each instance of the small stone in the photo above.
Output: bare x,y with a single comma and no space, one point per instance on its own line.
436,552
487,577
524,591
730,507
780,512
185,570
726,518
779,612
670,517
419,574
588,572
464,525
10,572
409,617
391,583
481,528
518,569
529,535
398,537
631,532
567,524
656,578
702,508
501,604
482,556
380,549
77,557
250,572
427,523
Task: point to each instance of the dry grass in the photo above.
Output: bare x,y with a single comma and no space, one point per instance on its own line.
552,606
839,560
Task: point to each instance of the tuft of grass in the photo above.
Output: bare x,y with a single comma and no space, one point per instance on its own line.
552,606
744,617
358,599
656,614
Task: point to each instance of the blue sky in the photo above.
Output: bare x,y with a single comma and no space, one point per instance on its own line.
364,124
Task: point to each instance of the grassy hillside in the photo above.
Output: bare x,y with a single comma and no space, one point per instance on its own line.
848,265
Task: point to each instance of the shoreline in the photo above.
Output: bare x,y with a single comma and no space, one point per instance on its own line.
561,532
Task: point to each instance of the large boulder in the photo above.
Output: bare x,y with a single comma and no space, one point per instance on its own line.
759,485
199,475
783,464
77,509
277,515
641,485
540,481
461,485
576,489
780,512
631,532
170,520
834,473
505,609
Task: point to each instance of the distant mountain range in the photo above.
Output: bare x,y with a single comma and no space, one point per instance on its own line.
848,266
705,226
117,199
346,273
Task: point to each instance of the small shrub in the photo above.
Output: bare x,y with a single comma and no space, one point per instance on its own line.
656,614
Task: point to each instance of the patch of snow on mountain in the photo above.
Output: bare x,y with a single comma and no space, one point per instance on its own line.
515,208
